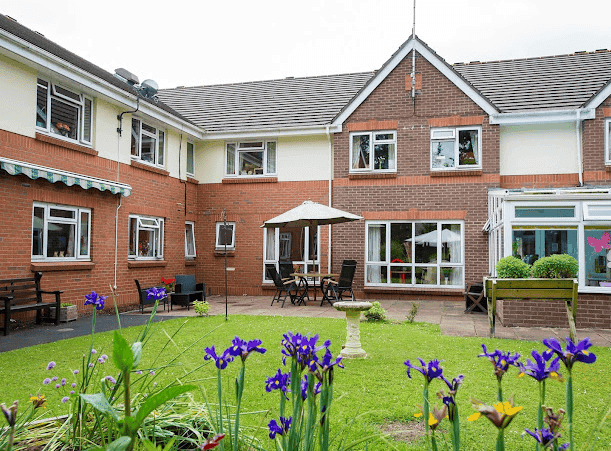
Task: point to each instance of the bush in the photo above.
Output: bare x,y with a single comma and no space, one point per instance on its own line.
375,313
560,266
201,307
512,268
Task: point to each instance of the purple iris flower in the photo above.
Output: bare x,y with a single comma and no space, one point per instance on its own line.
538,369
301,346
573,353
155,293
455,384
304,388
327,362
430,371
94,299
545,437
51,365
279,381
501,360
220,361
275,428
243,348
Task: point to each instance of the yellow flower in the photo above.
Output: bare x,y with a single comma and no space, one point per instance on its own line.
501,414
38,401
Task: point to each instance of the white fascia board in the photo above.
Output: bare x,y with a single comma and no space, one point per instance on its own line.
546,195
599,98
433,59
267,133
542,117
28,52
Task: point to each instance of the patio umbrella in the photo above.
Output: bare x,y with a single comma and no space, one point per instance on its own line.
310,214
430,238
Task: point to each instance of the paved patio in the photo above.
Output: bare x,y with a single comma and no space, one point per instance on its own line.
448,314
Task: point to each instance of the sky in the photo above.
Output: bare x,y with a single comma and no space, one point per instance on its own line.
193,43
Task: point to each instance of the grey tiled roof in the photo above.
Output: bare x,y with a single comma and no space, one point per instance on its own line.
15,28
550,82
261,105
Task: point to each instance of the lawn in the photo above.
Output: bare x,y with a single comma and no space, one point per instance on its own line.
368,394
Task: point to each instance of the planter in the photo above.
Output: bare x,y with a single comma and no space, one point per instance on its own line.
532,302
69,313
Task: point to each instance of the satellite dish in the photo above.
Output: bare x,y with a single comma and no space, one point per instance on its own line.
149,87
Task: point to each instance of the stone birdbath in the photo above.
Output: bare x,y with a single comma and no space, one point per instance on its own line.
352,348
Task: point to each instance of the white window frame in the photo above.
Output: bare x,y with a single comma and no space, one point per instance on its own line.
452,135
192,173
306,264
221,247
190,230
80,105
607,143
438,264
264,147
158,227
78,212
157,136
372,143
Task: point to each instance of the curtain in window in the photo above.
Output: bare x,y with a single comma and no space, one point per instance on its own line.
271,244
375,238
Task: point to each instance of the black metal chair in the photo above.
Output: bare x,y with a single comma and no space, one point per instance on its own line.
336,289
284,287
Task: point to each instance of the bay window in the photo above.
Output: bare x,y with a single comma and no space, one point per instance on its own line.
290,250
248,159
407,253
373,151
456,148
60,232
145,237
147,143
63,112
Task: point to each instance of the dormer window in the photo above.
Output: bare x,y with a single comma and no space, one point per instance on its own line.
63,112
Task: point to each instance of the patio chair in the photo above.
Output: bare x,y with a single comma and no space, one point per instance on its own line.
336,289
144,302
187,291
284,287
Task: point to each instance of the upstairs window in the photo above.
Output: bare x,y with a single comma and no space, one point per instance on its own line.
145,237
190,160
373,151
608,140
148,143
63,112
60,232
250,159
456,148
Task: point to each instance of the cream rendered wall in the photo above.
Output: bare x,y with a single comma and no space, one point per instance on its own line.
18,97
105,136
538,149
209,161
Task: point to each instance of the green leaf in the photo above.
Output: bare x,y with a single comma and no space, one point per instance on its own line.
119,444
122,353
160,398
99,402
136,353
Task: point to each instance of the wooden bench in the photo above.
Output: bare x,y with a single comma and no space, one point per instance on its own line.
24,294
142,296
535,289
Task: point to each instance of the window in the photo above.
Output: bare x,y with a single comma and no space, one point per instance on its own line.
62,112
414,254
225,235
608,140
190,240
291,249
60,232
190,160
148,143
248,159
383,157
532,243
145,237
455,148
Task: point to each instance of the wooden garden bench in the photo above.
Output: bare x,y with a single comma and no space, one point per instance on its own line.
535,289
24,294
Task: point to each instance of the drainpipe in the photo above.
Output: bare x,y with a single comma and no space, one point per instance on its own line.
330,191
578,137
117,238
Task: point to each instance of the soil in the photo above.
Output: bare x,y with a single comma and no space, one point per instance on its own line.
403,431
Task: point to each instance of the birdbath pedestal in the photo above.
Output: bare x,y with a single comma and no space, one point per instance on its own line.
352,348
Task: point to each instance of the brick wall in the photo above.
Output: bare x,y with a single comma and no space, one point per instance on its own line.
153,194
593,144
415,187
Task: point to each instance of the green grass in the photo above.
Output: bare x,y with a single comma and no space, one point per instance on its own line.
367,392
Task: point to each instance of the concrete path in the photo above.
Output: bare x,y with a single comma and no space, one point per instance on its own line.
448,314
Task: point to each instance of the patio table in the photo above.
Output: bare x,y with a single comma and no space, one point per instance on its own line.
304,284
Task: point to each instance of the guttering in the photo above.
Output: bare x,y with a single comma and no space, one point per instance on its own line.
542,117
264,133
26,51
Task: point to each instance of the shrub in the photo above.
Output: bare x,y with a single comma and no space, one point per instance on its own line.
201,307
512,268
560,266
375,313
411,315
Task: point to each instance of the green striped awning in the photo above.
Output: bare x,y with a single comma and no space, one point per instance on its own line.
35,171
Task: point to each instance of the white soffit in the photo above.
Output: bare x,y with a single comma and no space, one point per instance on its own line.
542,117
